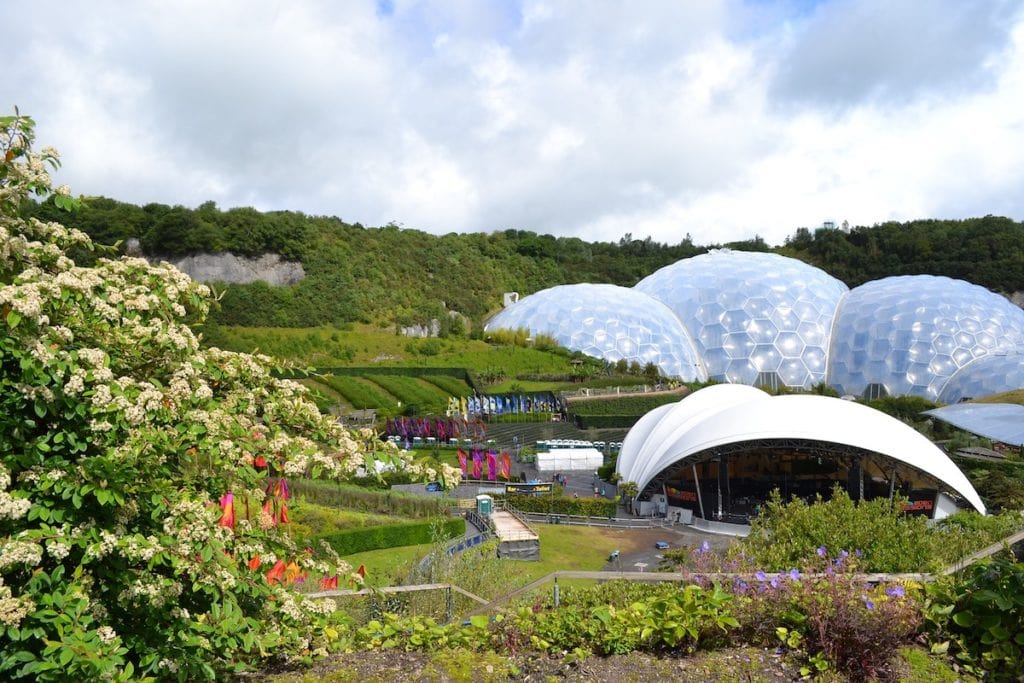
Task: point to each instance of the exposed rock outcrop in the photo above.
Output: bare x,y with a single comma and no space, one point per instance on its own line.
233,269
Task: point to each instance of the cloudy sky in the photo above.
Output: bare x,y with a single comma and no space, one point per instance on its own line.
723,119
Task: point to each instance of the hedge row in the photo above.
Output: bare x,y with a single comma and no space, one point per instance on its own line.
636,404
605,421
562,505
367,500
392,536
412,371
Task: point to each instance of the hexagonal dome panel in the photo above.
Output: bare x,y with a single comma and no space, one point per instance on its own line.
986,376
607,322
746,310
923,330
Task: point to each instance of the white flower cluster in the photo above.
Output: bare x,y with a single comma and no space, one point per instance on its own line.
106,634
151,590
101,548
14,551
11,507
13,609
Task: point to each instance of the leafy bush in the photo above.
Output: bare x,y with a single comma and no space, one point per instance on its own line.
889,540
785,533
680,620
979,617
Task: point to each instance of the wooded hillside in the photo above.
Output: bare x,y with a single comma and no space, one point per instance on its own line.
393,275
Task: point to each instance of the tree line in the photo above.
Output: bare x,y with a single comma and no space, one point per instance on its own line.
392,275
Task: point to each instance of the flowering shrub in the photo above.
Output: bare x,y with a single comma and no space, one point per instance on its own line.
823,609
142,478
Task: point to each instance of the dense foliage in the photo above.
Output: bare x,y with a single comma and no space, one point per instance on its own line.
884,538
142,479
401,276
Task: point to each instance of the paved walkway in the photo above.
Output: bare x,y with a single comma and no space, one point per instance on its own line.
508,528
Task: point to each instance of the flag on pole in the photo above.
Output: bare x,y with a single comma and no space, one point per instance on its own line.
492,465
478,457
506,465
462,461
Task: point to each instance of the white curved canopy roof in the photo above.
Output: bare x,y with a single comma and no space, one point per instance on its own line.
734,413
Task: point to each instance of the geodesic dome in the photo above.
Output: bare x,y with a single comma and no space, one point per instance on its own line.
986,376
608,322
909,334
755,318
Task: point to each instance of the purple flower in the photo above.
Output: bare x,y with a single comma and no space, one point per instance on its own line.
794,574
867,602
821,551
775,582
895,591
704,547
760,575
858,553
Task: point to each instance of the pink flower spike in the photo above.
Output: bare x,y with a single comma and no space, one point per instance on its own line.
227,504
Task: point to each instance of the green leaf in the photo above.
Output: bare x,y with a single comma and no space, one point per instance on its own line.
964,619
13,318
479,620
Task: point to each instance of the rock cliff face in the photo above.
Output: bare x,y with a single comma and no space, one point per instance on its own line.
239,270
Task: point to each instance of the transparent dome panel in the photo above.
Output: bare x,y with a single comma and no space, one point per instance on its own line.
984,377
733,303
923,330
607,322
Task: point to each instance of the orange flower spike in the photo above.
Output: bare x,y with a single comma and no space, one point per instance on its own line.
291,572
329,582
255,562
260,462
276,572
227,505
282,514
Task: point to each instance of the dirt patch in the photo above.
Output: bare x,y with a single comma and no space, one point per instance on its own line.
726,665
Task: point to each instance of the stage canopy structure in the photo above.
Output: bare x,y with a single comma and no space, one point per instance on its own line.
720,452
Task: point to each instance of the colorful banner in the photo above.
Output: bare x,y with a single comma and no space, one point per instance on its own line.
506,465
492,465
478,457
462,461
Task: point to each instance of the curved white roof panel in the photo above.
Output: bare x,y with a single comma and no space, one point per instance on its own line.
912,333
985,376
636,437
609,322
750,313
692,410
805,417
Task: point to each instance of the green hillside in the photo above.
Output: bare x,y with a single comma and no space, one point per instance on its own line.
392,275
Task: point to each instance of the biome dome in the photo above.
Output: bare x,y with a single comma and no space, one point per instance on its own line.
910,334
767,320
608,322
755,318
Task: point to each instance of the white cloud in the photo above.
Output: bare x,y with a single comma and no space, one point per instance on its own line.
720,119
